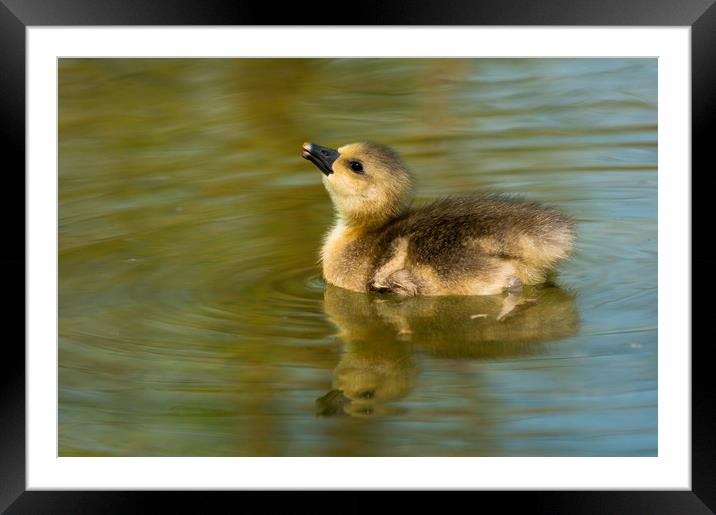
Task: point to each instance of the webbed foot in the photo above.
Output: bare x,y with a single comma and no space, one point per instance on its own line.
513,299
378,288
401,282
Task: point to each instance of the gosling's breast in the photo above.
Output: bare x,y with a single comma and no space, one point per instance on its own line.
347,257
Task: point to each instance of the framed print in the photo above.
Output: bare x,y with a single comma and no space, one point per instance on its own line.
428,250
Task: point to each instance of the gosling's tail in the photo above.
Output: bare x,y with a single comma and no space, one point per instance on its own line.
537,252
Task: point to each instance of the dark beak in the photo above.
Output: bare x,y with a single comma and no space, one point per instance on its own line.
332,404
322,157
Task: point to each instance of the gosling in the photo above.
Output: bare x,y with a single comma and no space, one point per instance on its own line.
483,244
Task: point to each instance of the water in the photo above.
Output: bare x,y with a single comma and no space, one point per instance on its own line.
193,318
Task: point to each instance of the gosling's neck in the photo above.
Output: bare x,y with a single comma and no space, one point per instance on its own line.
366,221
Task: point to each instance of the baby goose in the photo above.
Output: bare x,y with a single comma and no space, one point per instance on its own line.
482,244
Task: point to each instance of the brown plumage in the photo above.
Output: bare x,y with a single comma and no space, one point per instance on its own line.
478,244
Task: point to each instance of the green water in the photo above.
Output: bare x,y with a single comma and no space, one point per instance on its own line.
193,318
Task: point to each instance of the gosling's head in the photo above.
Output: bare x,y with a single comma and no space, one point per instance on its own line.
367,182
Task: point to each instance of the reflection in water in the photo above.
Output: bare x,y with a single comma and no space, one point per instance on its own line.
381,333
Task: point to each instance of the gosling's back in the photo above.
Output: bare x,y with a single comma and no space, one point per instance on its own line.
473,245
455,235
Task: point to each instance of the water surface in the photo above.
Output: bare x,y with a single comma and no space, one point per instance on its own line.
193,318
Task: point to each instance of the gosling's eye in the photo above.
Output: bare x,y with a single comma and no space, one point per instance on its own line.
356,166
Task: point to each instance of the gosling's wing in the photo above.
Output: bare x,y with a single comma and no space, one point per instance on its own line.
451,230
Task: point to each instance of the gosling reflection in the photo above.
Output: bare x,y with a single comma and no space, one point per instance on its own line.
369,375
381,336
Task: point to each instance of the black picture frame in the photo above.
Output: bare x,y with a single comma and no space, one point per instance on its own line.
17,15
